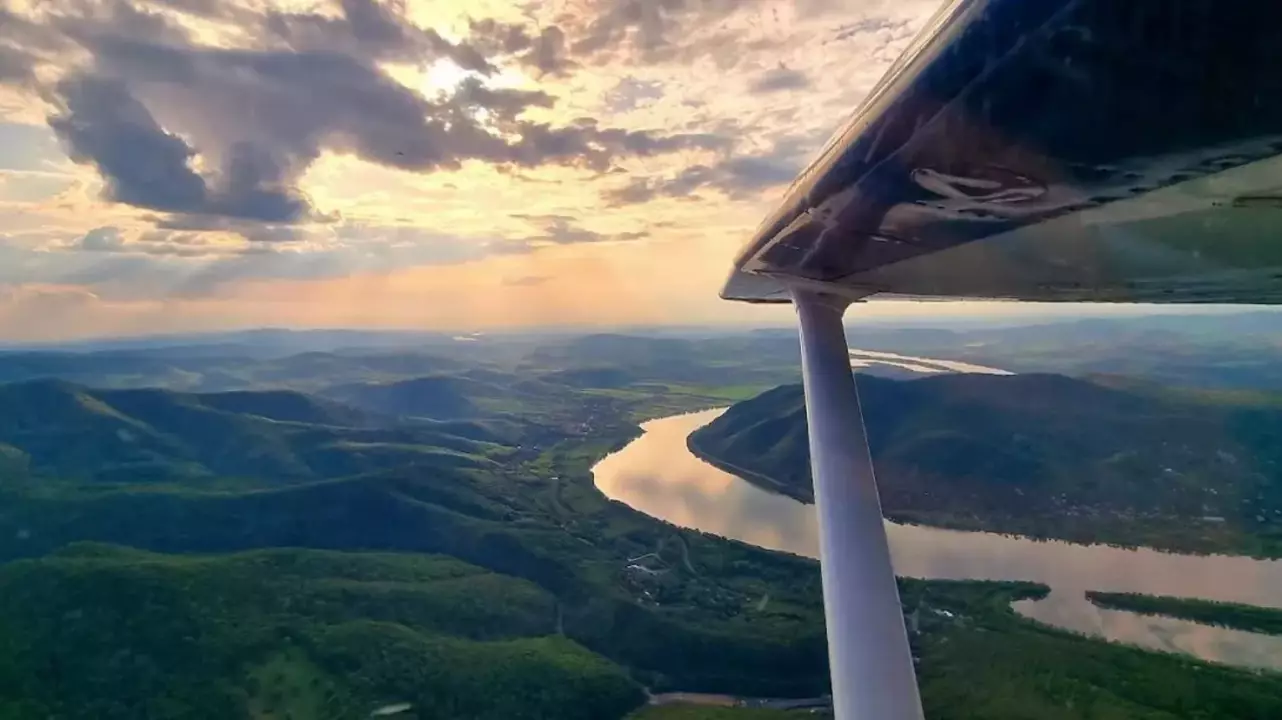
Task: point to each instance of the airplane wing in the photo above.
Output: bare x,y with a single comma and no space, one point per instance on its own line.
1060,150
1082,150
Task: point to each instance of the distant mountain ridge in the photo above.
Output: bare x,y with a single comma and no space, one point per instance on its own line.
60,428
1008,452
436,397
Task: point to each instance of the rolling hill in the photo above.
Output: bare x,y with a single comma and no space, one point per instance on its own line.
298,557
705,635
1012,452
219,368
442,397
60,429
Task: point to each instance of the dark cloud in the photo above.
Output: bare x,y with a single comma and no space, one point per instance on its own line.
756,173
16,67
91,21
257,232
503,102
23,44
638,190
544,51
643,24
547,53
493,36
865,26
103,239
777,79
737,177
102,123
369,29
151,99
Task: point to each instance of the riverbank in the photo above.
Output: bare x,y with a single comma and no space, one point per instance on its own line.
661,475
1184,535
1248,618
764,482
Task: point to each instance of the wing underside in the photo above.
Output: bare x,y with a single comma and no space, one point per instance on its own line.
1086,150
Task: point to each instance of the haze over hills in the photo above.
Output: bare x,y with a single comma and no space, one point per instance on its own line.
441,397
245,575
61,429
1227,351
1042,455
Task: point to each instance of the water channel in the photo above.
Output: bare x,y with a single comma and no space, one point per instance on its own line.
658,475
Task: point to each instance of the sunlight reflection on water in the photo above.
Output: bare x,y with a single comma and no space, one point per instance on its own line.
657,475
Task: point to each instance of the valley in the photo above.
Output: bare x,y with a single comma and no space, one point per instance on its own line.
419,533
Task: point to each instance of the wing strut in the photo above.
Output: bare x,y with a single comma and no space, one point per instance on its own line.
871,664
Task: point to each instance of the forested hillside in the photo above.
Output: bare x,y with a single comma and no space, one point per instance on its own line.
151,435
433,546
101,632
1041,455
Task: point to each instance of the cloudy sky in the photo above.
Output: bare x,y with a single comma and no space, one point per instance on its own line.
201,164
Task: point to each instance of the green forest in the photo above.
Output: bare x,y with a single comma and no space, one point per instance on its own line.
1236,616
1042,455
332,548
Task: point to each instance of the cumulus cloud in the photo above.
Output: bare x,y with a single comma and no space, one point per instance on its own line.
16,67
547,52
102,123
181,127
543,51
371,30
213,116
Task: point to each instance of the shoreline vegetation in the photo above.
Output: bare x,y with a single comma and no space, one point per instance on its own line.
1234,616
1171,539
1175,475
761,480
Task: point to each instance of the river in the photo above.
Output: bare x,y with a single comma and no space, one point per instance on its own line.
657,475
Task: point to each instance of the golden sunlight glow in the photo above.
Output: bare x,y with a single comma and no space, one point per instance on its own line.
467,243
443,76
